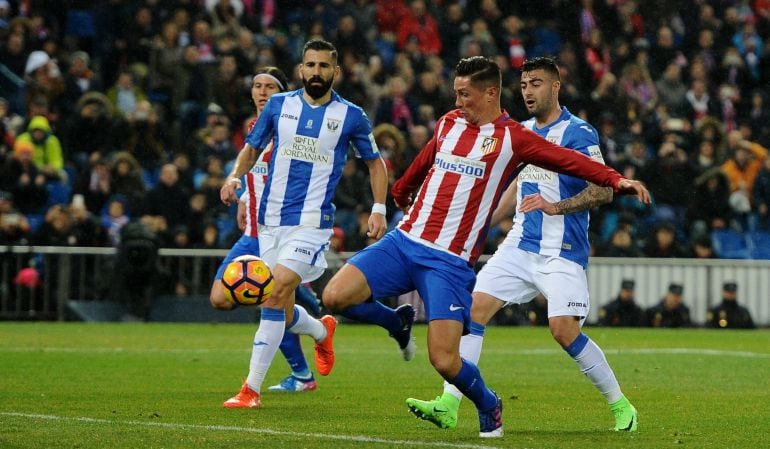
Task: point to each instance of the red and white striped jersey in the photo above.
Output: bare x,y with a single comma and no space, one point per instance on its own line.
253,186
463,170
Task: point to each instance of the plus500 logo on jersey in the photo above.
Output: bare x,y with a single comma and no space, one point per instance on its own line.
259,169
460,165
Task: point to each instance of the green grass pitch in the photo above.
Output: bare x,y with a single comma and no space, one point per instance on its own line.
74,385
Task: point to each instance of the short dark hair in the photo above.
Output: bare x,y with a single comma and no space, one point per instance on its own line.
482,71
320,45
545,63
277,74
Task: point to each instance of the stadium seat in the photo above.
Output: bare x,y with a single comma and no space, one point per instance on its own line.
729,244
58,193
760,244
35,220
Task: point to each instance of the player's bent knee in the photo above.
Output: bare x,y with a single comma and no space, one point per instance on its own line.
332,296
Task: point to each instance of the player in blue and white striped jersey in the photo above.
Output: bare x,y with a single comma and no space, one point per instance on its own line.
311,130
546,251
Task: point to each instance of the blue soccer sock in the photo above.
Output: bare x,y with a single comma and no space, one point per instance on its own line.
292,350
472,385
470,349
374,312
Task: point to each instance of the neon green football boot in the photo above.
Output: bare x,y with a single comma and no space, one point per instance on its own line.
441,411
625,415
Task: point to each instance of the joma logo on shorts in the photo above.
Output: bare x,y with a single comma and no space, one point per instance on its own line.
576,304
303,251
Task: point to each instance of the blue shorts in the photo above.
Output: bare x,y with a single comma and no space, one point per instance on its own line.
397,264
245,245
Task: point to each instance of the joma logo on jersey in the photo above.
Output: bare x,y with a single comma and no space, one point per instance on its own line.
289,116
332,125
488,145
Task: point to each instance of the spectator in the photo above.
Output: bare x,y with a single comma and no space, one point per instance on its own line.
392,145
757,115
670,178
709,208
452,28
147,140
167,201
663,243
397,107
703,248
47,154
351,198
44,79
218,145
126,179
14,53
228,89
14,226
190,90
671,90
744,165
125,95
79,78
93,117
621,244
729,314
623,310
420,23
417,138
761,195
699,103
21,178
670,311
479,35
705,157
165,57
114,217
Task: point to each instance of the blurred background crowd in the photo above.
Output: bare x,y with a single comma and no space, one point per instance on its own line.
120,111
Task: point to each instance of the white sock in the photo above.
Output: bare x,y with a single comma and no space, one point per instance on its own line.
593,364
304,324
266,342
470,350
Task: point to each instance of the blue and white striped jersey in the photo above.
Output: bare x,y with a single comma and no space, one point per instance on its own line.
310,149
564,236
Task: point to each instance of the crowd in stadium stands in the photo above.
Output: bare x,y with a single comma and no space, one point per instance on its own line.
132,110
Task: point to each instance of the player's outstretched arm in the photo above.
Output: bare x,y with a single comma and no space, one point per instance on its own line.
378,178
243,162
588,198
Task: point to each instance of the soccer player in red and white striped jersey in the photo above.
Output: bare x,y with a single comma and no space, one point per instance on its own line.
475,153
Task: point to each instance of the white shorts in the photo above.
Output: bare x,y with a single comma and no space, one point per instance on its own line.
515,276
298,248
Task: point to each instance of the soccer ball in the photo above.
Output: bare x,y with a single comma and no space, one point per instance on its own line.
247,280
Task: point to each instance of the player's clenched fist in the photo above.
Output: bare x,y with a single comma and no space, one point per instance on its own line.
227,192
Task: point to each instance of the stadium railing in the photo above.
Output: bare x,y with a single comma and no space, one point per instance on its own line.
87,275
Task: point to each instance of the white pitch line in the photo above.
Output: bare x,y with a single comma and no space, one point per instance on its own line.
362,439
497,350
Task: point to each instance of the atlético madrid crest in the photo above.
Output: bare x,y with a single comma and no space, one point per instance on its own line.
488,145
332,125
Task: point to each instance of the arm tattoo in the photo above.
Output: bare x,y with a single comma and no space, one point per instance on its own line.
592,196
